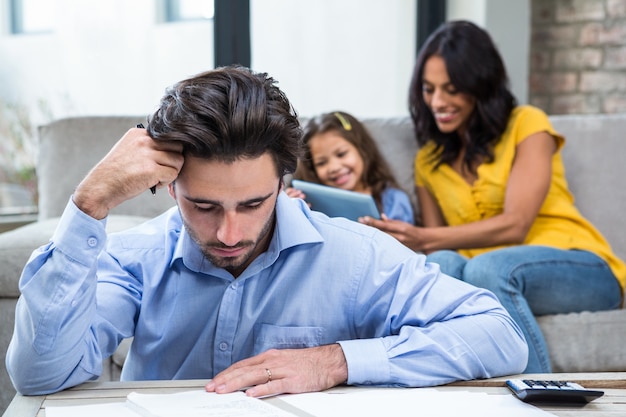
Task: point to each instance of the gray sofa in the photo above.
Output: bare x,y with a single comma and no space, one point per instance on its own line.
595,170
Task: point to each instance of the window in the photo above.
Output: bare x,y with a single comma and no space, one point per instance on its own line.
31,16
178,10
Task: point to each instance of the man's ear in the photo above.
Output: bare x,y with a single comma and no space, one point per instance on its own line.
171,189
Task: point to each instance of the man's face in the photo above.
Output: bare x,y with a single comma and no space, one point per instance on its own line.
228,208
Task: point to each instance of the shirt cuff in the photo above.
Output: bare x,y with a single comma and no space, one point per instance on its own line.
367,361
79,235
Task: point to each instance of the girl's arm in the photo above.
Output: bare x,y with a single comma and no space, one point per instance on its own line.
527,188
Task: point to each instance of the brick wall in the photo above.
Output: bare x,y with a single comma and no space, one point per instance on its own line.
578,56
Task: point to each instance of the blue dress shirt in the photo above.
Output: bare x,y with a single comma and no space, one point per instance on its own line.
399,320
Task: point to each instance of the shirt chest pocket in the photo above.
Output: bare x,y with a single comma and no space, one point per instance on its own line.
269,336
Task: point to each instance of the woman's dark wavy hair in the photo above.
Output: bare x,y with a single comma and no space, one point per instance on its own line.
227,114
475,67
376,172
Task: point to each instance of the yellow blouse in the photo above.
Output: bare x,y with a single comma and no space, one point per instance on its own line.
559,223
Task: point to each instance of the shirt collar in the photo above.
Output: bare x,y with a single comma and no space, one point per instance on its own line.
293,228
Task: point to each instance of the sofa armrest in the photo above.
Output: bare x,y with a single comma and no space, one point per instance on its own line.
17,245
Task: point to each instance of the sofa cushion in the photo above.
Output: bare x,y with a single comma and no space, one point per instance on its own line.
586,342
594,162
395,138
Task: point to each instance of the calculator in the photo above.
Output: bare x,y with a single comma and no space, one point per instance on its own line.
533,390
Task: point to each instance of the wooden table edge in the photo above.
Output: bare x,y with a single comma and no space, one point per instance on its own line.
615,380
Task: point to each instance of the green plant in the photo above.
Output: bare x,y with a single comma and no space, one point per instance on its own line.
18,145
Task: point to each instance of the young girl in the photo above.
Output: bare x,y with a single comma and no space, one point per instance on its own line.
341,153
492,191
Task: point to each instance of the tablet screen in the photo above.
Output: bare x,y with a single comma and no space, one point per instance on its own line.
335,202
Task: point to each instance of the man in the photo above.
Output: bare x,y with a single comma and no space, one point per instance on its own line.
240,283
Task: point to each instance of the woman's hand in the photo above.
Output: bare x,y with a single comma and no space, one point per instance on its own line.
406,233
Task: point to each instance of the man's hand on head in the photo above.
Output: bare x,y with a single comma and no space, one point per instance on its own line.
279,371
132,166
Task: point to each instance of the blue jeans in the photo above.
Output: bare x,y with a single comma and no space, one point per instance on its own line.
532,281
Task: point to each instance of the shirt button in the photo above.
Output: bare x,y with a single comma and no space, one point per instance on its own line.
92,241
223,346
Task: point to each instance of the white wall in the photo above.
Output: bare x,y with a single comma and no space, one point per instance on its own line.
110,57
352,55
508,23
103,57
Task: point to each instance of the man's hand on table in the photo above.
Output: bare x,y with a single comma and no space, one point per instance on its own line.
279,371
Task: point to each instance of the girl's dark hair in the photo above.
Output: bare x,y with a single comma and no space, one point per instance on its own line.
376,172
475,67
227,114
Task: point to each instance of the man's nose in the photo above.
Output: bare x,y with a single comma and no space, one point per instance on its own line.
229,231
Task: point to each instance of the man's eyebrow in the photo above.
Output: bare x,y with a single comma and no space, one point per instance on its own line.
219,203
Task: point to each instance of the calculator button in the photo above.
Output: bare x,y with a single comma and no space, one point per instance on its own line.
534,384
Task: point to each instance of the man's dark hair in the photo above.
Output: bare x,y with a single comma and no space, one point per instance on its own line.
227,114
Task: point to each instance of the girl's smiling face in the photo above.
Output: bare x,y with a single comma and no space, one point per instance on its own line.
337,162
451,109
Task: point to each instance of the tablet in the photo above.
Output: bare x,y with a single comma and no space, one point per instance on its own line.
335,202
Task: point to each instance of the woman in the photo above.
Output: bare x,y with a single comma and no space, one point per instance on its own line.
493,197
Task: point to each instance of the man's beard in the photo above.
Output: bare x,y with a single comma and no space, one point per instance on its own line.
234,264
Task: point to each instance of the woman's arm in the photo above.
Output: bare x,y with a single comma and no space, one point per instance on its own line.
429,209
527,188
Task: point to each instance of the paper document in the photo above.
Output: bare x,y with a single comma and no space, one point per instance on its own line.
197,403
201,404
399,402
91,410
